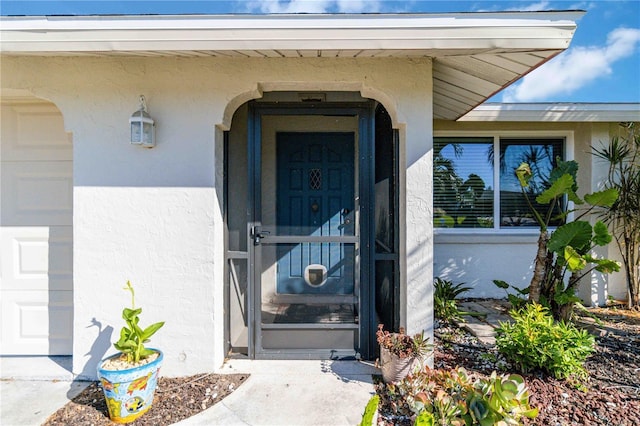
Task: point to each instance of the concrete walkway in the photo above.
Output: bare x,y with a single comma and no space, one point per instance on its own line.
293,393
33,388
492,313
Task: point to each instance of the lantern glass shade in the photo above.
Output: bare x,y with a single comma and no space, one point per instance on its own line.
142,129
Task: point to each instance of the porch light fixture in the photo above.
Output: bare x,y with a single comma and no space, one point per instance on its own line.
143,128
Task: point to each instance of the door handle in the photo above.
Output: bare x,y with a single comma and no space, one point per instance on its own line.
258,234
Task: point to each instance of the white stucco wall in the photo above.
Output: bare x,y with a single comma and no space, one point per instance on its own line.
477,260
154,216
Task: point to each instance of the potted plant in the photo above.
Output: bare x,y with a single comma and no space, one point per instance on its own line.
400,354
129,378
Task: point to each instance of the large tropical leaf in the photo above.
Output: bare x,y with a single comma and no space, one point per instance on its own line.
604,198
575,262
606,266
575,234
563,168
601,235
558,189
566,296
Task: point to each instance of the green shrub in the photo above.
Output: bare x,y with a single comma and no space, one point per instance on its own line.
535,340
451,397
445,305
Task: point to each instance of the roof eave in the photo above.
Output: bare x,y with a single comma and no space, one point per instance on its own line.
555,112
551,30
475,54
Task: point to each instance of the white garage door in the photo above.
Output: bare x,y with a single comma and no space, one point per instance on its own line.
36,240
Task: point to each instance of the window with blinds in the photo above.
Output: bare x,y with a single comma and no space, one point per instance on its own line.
463,183
467,193
541,156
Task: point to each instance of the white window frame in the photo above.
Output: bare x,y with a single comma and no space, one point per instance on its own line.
568,153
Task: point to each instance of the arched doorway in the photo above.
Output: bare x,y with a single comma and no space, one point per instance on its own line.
311,215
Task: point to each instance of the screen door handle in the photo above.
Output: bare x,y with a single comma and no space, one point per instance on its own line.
258,234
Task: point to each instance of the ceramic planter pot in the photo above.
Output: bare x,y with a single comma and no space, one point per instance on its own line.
129,393
395,368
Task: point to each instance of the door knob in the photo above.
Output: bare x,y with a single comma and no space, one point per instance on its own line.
258,234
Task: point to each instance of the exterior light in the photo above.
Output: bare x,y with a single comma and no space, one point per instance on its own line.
143,128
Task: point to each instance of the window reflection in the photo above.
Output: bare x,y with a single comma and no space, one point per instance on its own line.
463,181
540,155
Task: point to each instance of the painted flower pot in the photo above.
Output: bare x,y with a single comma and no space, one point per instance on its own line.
129,393
395,368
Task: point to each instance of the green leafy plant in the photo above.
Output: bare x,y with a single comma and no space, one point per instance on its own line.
452,397
568,248
535,340
517,300
445,305
370,411
132,336
424,419
403,345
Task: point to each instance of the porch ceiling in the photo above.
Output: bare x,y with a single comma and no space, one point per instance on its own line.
474,55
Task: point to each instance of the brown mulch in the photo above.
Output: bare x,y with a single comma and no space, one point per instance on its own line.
175,399
612,393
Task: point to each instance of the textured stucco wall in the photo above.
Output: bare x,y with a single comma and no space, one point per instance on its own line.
154,216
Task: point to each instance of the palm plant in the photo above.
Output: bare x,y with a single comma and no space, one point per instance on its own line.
445,305
623,155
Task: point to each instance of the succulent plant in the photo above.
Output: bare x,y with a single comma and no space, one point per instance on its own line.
452,397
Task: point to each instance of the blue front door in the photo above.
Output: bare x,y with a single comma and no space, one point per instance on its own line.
315,198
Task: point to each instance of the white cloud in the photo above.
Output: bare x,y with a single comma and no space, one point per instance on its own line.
521,7
293,6
313,6
534,7
575,68
358,6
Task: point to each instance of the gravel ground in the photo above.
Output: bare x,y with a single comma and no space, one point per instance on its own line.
175,399
612,396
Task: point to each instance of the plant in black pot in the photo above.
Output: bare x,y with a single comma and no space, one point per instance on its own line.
401,354
129,378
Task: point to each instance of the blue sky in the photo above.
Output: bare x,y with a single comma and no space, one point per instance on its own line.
601,65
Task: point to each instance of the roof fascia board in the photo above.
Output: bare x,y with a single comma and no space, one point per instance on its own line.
478,31
555,112
302,21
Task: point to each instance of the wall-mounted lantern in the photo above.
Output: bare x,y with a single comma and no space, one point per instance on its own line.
143,128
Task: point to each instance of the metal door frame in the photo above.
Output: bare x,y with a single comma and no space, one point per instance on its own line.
364,277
